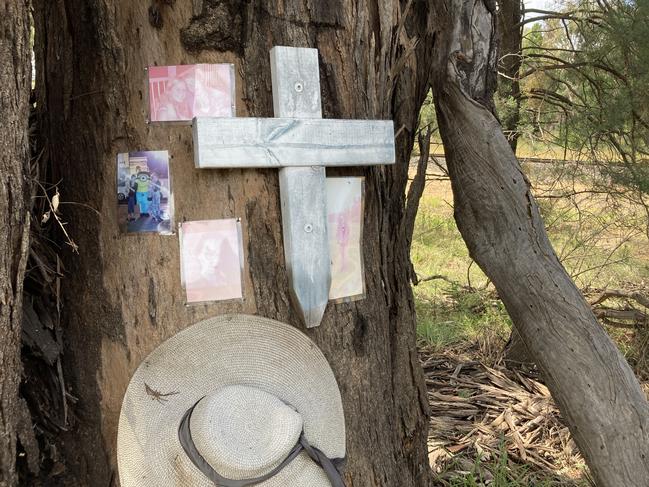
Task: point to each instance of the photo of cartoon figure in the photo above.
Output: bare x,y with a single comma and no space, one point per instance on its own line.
211,254
144,202
180,93
344,227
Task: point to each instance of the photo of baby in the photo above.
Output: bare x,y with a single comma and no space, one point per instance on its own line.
144,202
344,228
180,93
211,254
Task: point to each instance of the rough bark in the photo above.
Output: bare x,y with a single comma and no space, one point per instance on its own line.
599,396
15,85
516,352
123,294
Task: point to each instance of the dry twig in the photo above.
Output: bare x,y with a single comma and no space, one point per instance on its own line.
479,410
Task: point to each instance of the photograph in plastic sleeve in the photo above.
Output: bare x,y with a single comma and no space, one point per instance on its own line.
211,260
144,199
180,93
345,230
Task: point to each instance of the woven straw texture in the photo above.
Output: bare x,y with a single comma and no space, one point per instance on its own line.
242,430
203,360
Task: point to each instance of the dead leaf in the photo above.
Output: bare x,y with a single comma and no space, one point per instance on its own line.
55,202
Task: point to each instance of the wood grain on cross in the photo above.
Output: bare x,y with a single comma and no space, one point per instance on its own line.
300,144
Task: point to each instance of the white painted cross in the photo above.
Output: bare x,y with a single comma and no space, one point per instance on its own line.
300,143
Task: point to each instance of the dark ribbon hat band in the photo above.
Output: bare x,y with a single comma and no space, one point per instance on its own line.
185,436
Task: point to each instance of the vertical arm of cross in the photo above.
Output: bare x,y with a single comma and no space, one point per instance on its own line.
296,93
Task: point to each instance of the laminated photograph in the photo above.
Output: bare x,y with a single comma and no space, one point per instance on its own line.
211,260
180,93
345,230
144,199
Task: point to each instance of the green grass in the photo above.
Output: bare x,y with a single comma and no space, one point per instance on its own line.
447,320
599,245
447,313
498,471
527,147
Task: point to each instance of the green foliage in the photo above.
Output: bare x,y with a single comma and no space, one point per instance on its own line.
427,114
506,105
457,315
613,83
585,84
427,118
634,176
449,313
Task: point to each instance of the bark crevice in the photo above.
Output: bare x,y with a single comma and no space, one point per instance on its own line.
15,88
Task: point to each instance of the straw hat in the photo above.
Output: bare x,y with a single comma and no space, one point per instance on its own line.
236,396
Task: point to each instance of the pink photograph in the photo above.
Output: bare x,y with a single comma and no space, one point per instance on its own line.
180,93
211,260
345,229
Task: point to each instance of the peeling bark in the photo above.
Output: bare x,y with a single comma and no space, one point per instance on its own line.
15,86
600,398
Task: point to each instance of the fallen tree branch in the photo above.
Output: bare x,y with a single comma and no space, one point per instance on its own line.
442,278
631,313
618,293
622,318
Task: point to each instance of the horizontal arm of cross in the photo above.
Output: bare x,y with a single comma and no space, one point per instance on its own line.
286,142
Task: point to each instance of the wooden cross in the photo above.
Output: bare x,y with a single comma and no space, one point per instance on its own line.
300,144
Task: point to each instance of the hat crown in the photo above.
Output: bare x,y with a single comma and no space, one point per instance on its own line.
210,355
244,432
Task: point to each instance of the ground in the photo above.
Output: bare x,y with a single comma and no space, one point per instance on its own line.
492,424
143,223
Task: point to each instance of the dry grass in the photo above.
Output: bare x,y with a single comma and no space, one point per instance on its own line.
491,425
536,148
494,426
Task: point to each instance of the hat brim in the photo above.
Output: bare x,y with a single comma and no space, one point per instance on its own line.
222,351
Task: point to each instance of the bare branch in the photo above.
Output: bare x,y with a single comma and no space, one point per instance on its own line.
416,189
619,293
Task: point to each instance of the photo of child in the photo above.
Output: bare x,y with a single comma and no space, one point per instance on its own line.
211,254
344,228
144,202
180,93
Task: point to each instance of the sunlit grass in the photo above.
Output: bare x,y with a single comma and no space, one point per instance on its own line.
498,471
448,313
528,147
593,243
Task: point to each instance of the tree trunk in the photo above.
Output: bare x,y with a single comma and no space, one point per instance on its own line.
123,294
15,85
599,396
516,352
510,30
510,56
